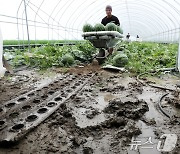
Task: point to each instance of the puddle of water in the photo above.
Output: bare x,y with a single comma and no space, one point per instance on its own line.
147,131
151,98
103,100
169,107
143,148
99,103
83,121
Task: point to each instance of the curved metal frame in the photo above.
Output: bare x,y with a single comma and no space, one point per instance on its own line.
160,24
147,7
160,20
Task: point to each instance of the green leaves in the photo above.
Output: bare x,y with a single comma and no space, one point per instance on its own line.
142,56
59,56
147,56
88,50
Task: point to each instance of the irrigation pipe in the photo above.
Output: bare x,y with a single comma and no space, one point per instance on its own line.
160,87
160,107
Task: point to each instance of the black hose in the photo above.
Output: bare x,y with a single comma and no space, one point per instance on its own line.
160,87
160,107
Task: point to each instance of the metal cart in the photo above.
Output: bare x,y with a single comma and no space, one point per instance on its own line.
103,40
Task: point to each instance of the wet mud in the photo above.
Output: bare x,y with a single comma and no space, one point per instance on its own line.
104,117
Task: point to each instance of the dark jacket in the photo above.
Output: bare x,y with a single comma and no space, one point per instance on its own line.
112,19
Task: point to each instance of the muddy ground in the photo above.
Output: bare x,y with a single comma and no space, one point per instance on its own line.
111,111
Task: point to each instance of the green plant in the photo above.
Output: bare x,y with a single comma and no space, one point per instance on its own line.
17,42
146,56
58,56
87,50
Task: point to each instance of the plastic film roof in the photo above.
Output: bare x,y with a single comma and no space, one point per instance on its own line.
152,20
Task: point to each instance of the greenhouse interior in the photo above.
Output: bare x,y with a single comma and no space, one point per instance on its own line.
89,77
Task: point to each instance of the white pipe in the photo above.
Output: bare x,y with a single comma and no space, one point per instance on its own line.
2,69
103,33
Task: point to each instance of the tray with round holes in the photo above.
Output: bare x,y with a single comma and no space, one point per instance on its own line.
20,115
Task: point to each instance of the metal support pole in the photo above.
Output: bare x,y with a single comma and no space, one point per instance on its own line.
178,57
27,26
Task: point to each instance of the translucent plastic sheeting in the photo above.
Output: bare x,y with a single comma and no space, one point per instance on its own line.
152,20
2,69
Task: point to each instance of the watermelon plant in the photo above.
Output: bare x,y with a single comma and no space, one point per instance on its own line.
87,50
144,56
147,56
54,56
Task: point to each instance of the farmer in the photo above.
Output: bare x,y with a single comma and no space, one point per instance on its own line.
110,19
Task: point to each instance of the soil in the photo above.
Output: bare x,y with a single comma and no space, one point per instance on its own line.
104,116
